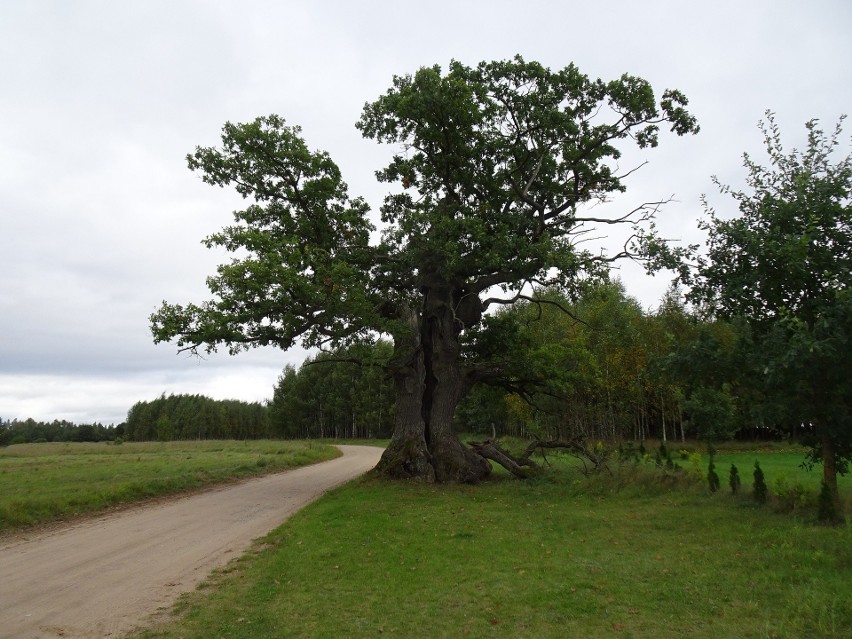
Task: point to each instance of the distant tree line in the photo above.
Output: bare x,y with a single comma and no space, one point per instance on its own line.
343,394
611,371
179,417
166,418
617,372
29,431
608,370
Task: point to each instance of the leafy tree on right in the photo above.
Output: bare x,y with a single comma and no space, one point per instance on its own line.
784,265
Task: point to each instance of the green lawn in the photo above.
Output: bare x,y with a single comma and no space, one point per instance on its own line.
778,460
631,555
775,465
46,482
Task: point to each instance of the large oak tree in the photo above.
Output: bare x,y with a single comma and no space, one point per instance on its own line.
495,171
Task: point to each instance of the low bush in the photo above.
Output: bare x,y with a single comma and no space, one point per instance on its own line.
790,497
760,490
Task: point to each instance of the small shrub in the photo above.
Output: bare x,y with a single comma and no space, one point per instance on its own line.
789,497
712,477
760,490
628,452
664,458
734,480
695,469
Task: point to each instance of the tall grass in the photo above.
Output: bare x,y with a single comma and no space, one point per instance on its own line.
40,483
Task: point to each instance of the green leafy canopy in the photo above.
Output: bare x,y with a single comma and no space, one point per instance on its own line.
495,166
789,252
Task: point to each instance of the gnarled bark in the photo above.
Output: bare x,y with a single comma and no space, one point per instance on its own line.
445,387
407,456
429,385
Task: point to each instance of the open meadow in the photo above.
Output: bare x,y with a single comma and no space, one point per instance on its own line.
638,554
41,483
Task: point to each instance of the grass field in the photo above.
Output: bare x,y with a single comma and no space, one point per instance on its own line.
633,555
41,483
636,554
792,487
783,464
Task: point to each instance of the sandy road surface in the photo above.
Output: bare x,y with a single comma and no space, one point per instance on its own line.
105,576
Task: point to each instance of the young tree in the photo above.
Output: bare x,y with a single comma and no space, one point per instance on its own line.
760,489
496,165
734,480
785,265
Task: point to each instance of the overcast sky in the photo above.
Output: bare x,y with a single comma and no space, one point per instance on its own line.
100,101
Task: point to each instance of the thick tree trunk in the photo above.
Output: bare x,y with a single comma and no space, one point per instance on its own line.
452,460
445,386
407,456
429,385
829,472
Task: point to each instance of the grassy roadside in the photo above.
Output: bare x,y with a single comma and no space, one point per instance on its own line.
40,483
623,556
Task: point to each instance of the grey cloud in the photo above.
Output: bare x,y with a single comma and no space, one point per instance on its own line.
100,220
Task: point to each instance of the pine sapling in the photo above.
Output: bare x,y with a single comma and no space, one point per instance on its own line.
667,457
734,480
712,477
759,484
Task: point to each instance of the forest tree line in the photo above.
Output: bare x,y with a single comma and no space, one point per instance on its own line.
167,418
27,431
181,417
615,372
344,394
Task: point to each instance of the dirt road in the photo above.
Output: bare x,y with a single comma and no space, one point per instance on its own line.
105,576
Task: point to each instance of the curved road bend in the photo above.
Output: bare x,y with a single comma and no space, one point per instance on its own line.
105,576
